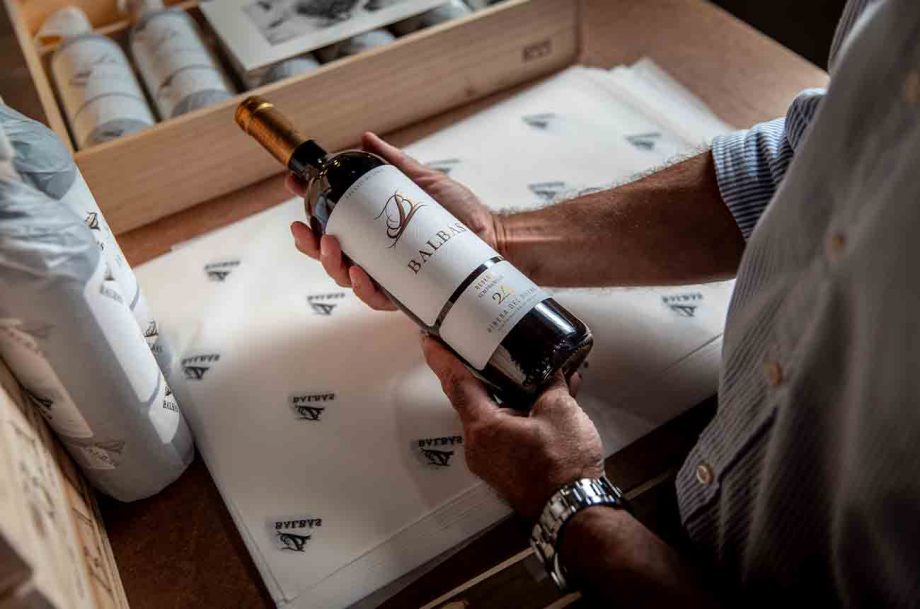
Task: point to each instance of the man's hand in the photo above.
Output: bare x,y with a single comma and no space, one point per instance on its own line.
528,458
455,197
525,458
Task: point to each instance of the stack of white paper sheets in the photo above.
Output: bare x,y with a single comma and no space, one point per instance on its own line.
331,442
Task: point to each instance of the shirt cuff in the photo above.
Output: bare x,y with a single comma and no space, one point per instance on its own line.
746,170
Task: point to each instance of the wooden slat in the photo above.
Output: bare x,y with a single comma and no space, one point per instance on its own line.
145,176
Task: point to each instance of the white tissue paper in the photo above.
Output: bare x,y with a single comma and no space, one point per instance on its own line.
332,444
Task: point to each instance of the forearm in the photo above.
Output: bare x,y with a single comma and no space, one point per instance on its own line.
670,227
611,555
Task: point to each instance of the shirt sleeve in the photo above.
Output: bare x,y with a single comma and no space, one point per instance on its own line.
751,164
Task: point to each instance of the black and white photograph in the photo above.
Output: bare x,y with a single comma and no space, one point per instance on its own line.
282,20
259,32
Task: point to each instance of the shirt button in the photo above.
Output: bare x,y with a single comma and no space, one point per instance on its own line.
912,88
704,474
774,373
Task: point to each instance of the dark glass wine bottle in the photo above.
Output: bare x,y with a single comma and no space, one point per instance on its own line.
506,329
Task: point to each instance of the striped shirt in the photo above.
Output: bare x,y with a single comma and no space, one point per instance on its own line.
805,487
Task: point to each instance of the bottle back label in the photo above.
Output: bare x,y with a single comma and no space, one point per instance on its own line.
424,256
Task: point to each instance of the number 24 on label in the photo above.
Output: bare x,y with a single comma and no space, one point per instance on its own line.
502,293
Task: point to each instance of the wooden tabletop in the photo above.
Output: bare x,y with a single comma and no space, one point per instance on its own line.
181,549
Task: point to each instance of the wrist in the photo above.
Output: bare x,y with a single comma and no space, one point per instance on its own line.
562,511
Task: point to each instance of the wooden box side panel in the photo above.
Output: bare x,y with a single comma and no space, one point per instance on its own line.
202,155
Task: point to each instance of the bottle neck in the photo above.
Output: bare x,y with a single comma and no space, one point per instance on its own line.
259,119
307,154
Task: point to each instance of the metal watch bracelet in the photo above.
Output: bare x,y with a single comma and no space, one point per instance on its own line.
565,503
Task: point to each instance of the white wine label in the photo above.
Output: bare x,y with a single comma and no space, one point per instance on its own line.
486,311
179,71
119,328
100,94
22,353
406,241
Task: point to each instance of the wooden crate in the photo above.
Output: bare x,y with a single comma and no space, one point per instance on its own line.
418,85
201,155
54,551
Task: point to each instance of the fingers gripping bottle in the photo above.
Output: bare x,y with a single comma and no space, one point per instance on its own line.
510,332
68,335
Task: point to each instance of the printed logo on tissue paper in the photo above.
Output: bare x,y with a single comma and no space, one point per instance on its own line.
320,305
437,452
151,335
218,271
644,141
310,406
539,121
196,366
445,166
398,212
548,191
92,220
684,305
292,534
169,402
109,288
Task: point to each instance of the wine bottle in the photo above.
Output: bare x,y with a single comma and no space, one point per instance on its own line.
69,337
99,93
509,331
176,66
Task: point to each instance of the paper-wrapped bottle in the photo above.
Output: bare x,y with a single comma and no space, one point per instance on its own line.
68,335
101,98
354,45
294,66
179,71
454,9
42,160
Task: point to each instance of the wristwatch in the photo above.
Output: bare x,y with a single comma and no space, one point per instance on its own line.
565,503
